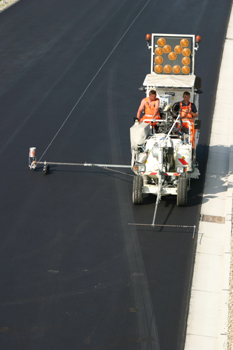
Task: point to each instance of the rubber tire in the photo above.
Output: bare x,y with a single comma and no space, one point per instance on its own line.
137,195
46,169
182,192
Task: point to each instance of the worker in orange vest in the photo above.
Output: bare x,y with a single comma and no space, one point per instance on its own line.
150,105
188,111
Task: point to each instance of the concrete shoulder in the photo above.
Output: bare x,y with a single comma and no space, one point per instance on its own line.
208,320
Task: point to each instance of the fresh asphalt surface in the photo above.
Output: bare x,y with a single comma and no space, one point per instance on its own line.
74,275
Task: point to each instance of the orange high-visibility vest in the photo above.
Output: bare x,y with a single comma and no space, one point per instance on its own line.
185,111
149,110
187,116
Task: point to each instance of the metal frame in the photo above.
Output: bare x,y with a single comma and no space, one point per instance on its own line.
172,35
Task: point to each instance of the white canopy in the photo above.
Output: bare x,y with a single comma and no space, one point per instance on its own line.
175,81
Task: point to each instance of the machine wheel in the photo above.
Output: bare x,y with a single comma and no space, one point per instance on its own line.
46,169
182,192
137,195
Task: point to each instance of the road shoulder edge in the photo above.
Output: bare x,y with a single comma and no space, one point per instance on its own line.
207,326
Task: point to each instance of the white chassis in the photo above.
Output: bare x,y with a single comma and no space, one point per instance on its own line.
164,162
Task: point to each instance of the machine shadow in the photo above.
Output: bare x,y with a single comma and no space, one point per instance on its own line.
113,174
215,181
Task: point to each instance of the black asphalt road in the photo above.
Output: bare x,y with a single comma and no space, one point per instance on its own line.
74,275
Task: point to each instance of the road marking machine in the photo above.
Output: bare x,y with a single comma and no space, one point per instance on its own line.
163,150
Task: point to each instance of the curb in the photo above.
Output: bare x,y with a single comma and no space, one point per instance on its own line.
223,341
224,307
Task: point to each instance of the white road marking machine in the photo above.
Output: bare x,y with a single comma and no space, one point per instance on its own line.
163,160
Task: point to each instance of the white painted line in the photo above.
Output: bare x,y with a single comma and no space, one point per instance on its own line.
87,87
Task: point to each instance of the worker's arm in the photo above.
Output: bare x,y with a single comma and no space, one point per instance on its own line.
140,109
194,112
194,115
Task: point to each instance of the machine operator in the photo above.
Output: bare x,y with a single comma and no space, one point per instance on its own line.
150,105
188,111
